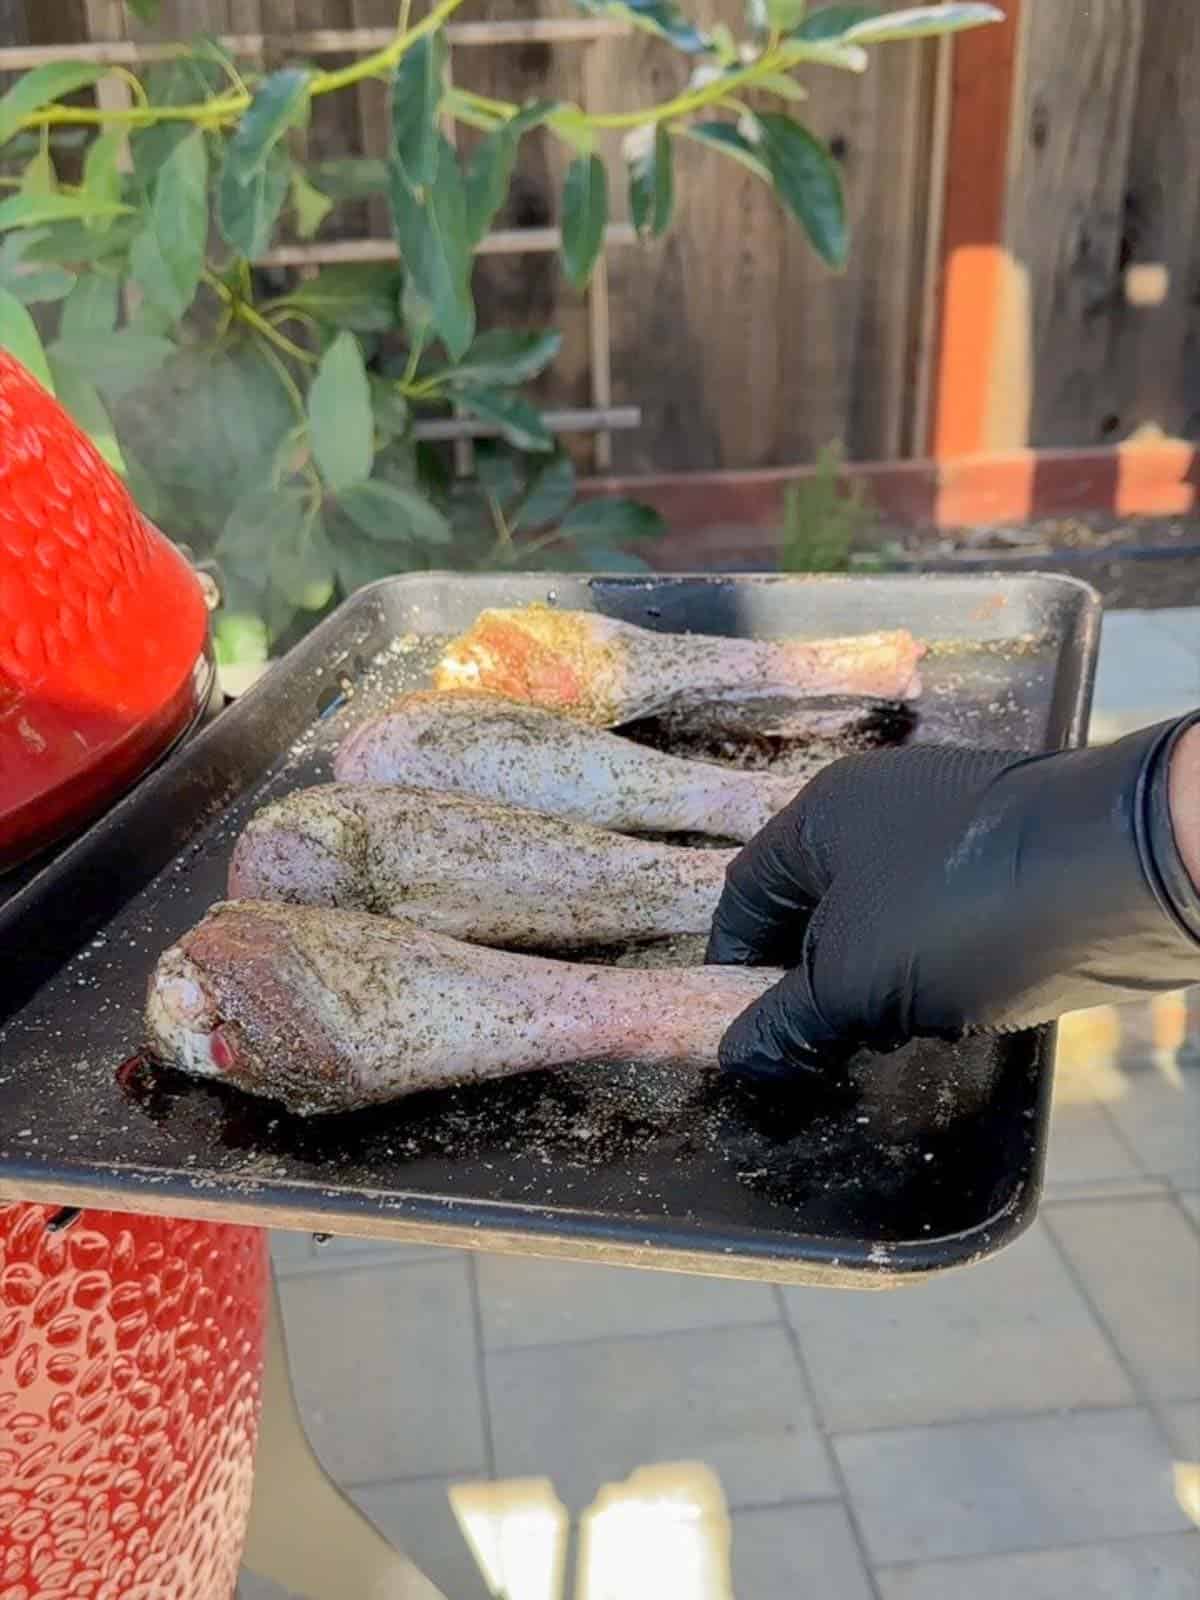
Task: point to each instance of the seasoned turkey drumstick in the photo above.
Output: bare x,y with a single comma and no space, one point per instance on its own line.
523,755
473,869
332,1010
606,672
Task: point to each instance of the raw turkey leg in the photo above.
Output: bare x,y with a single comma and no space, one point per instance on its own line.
473,869
523,755
332,1010
606,672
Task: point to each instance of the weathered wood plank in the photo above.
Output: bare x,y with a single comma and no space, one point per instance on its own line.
1156,360
1066,193
759,353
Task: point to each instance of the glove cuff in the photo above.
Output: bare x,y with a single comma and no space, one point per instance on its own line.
1159,848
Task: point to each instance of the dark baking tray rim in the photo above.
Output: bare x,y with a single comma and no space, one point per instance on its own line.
502,1224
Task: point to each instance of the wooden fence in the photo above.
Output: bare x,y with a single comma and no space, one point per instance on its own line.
1026,204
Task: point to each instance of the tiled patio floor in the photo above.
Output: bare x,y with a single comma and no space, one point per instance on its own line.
1028,1427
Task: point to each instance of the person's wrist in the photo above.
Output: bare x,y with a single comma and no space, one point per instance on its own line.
1184,800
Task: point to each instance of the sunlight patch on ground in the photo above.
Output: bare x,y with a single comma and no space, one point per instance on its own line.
664,1531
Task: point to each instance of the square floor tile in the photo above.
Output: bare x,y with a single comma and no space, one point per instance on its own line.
794,1552
981,1488
1140,1263
385,1366
290,1252
335,1254
1011,1334
1085,1147
1131,1569
419,1520
524,1301
588,1414
1183,1425
1160,1119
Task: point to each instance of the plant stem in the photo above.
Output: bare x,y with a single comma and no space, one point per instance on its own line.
384,60
243,311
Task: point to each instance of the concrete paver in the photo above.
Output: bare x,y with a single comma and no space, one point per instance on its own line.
1011,1334
589,1414
1167,1568
980,1488
1140,1263
796,1551
386,1370
1159,1118
525,1302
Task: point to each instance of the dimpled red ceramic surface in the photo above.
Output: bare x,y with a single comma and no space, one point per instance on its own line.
102,621
130,1365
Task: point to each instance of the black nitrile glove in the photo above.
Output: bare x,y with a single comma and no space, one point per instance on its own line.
937,891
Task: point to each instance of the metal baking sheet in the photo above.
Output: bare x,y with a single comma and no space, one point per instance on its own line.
934,1161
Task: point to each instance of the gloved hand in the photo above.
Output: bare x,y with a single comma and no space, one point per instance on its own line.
939,891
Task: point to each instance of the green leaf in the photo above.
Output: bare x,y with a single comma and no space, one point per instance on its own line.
435,244
90,308
302,567
247,212
168,257
730,141
392,416
42,86
389,511
612,519
309,204
365,298
513,416
920,22
807,180
21,278
417,88
652,182
82,400
39,176
259,522
491,167
33,210
241,639
502,356
549,494
114,361
784,15
339,415
584,217
280,102
780,84
151,147
77,244
185,80
350,178
19,336
662,17
101,168
496,471
832,22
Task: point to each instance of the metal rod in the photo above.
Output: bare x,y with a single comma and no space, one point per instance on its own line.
584,420
322,41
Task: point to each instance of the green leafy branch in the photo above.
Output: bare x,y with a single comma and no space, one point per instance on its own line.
278,427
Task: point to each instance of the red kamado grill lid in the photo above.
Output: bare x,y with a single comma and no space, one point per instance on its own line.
103,626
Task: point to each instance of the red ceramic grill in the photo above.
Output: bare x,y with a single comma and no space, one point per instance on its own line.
130,1347
103,627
